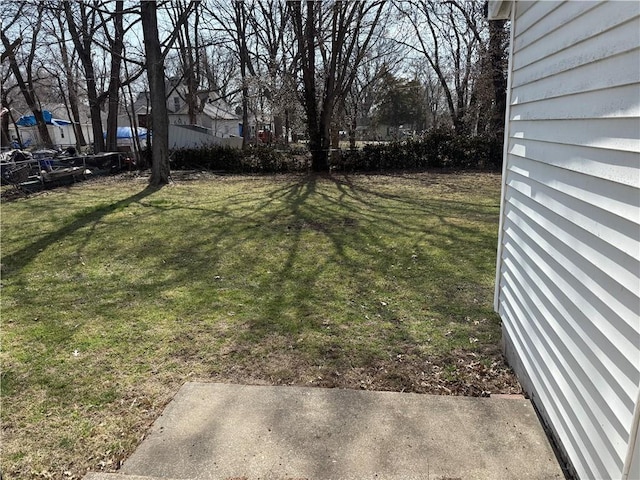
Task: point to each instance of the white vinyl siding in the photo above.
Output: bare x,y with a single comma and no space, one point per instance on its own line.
568,280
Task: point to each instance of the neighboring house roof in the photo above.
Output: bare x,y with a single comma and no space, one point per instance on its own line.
59,110
30,120
203,96
142,103
499,9
219,111
216,110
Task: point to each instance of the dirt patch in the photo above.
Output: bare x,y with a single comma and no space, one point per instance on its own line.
450,375
458,373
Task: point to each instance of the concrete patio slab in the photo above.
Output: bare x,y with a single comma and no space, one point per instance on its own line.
220,431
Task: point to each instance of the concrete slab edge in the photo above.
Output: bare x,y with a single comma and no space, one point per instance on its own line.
119,476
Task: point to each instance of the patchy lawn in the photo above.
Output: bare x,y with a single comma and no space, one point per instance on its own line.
113,295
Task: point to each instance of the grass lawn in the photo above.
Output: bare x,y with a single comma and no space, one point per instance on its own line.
114,295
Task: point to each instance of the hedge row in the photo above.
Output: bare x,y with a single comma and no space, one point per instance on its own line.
435,150
233,160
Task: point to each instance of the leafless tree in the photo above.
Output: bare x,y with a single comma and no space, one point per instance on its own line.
155,56
332,40
450,36
61,63
498,45
83,24
99,27
189,50
157,91
384,57
7,115
219,68
233,19
68,82
273,58
23,69
116,45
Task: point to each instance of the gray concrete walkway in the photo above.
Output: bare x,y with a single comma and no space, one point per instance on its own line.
218,431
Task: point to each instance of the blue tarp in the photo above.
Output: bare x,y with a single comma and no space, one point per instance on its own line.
30,120
127,132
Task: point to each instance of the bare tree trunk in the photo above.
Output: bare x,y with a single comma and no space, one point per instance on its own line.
194,82
287,127
157,91
75,113
246,130
72,93
95,112
114,81
245,66
133,121
65,102
83,44
352,133
318,133
15,127
189,52
342,48
13,121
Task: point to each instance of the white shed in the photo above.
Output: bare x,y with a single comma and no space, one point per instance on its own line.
568,267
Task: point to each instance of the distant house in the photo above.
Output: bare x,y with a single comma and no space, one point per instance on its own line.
212,113
221,119
568,267
60,130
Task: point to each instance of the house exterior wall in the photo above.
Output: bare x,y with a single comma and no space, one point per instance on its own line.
61,136
183,136
568,269
220,127
87,133
225,128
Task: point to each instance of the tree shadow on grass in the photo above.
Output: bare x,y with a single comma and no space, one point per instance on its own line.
306,246
23,257
355,227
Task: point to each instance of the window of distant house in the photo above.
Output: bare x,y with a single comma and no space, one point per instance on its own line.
176,103
61,132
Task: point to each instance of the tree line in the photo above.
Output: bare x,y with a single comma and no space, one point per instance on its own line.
321,65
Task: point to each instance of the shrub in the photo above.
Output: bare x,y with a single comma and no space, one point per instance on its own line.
207,158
